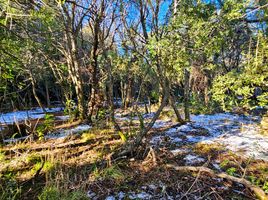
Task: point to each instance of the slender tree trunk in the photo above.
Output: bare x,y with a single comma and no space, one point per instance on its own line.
131,147
206,95
173,104
47,93
129,91
186,94
35,94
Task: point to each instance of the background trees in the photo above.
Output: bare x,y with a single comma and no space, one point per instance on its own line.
91,51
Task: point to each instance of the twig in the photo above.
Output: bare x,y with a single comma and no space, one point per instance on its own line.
260,194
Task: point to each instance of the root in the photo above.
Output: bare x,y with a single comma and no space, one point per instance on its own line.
150,157
260,194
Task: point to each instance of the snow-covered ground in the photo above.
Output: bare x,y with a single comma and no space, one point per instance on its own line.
151,191
238,133
17,116
66,132
59,134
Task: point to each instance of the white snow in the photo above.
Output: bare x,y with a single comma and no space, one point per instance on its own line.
121,195
162,123
65,132
176,152
193,159
91,194
141,195
216,166
36,113
14,140
238,133
55,135
63,118
110,198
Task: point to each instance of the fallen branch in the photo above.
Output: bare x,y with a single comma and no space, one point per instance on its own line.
260,194
68,125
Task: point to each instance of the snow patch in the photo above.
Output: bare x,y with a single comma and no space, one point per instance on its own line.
239,133
17,116
15,140
55,135
67,132
63,118
193,159
176,152
161,124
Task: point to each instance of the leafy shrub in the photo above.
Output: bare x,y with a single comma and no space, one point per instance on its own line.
46,126
71,109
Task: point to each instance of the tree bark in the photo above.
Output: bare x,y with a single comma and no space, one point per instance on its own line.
178,115
47,93
34,92
186,94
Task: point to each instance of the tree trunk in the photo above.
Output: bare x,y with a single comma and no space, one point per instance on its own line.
47,94
73,66
206,95
129,91
35,94
173,104
186,94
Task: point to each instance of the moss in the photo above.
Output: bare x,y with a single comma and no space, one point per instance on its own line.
33,158
86,137
208,149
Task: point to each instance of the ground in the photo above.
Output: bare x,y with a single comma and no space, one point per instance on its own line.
74,163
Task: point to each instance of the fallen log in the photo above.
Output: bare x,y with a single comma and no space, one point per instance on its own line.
260,194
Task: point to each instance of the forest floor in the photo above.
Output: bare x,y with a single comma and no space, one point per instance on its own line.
74,162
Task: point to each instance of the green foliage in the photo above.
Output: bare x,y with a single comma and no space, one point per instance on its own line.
237,87
198,105
101,113
50,193
77,195
231,171
33,158
265,187
259,181
71,109
2,156
86,137
9,188
224,163
123,136
47,125
112,172
53,193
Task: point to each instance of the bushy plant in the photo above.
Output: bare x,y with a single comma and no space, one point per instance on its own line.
46,126
71,109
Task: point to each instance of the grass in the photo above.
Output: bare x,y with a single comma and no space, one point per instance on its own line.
2,156
68,172
53,193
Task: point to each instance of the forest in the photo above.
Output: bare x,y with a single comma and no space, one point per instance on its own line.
133,99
